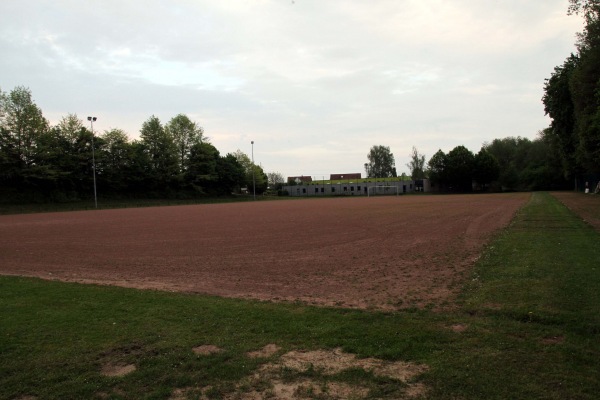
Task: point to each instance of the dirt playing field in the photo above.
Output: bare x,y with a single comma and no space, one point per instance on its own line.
379,252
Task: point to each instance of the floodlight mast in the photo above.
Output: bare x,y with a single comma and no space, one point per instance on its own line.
92,120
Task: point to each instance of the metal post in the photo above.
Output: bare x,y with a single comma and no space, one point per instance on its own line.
253,179
92,119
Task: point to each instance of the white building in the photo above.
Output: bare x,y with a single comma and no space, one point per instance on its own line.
363,187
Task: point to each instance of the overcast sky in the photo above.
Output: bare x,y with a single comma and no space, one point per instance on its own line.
315,83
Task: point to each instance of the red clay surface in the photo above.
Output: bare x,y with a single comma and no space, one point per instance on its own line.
379,252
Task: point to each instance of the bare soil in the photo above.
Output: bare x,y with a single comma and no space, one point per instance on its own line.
380,252
269,383
587,206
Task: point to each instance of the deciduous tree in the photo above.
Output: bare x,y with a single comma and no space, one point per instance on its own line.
185,134
161,151
381,163
416,164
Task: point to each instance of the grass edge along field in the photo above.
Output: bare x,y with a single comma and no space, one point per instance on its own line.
527,328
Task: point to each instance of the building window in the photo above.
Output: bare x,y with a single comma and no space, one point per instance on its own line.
345,188
333,189
352,188
358,188
322,190
303,190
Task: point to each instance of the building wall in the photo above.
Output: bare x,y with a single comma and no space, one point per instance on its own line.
348,188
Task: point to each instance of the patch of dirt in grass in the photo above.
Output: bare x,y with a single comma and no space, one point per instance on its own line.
459,328
553,340
116,370
206,349
286,378
266,352
335,361
416,390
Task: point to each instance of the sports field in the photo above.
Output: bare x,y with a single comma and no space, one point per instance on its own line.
434,297
378,253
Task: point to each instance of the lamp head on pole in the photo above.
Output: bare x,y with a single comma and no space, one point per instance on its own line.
93,119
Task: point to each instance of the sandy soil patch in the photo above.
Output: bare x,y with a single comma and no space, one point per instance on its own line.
206,349
269,383
266,352
335,361
459,328
115,370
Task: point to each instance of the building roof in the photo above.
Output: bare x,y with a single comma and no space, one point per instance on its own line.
299,179
337,177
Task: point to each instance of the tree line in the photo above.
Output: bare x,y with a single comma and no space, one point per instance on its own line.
508,164
40,162
572,100
563,156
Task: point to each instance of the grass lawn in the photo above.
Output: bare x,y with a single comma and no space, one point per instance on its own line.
527,326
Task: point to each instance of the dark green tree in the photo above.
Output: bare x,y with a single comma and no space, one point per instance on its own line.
558,104
381,163
254,173
231,174
436,169
115,160
486,168
21,125
201,172
460,163
163,169
185,134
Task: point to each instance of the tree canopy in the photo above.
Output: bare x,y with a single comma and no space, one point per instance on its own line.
39,162
381,163
572,98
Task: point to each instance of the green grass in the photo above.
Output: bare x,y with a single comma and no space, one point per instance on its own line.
531,312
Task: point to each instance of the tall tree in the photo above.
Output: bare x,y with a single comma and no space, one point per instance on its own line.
381,162
486,168
65,153
558,104
436,168
276,180
459,168
201,173
185,134
572,96
416,164
254,173
116,154
231,174
22,124
70,127
161,151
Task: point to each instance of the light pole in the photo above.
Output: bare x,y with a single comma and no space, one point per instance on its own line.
253,180
92,119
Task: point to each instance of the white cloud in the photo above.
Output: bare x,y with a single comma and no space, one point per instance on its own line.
314,83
